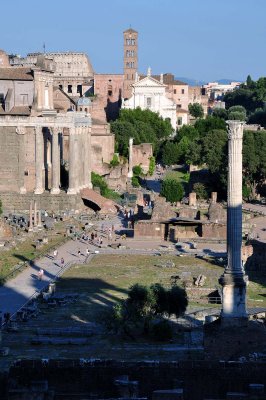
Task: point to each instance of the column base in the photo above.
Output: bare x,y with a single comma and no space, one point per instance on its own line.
38,191
55,191
230,322
130,175
22,190
72,191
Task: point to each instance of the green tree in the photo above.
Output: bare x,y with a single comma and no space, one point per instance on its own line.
196,110
170,154
172,190
254,160
220,113
144,304
201,191
237,113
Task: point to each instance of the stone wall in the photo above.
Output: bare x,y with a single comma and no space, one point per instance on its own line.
199,379
15,202
212,230
9,155
149,230
141,155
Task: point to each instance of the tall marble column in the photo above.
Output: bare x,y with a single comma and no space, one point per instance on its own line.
234,280
21,161
39,160
130,158
55,162
73,156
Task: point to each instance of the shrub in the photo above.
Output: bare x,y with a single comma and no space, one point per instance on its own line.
135,181
172,190
115,161
162,331
201,191
137,170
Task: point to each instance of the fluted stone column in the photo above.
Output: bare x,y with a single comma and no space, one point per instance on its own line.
21,161
55,163
39,160
130,158
73,156
234,280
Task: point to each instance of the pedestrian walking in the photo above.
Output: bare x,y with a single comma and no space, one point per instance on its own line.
40,274
88,251
62,262
55,253
79,252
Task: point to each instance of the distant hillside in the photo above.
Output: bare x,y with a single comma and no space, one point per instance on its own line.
194,82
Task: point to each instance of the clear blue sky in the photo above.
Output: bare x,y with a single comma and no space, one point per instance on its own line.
200,39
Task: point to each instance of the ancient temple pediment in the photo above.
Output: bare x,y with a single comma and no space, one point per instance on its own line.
148,81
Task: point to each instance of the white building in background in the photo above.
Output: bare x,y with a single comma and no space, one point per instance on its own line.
148,93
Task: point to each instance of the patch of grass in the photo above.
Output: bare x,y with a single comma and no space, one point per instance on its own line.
26,251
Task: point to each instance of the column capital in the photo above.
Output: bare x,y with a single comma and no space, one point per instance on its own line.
235,129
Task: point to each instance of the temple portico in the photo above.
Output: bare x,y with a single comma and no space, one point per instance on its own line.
55,140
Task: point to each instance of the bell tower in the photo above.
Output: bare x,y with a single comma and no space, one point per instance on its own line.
130,60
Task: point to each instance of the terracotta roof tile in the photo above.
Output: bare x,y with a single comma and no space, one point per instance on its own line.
16,74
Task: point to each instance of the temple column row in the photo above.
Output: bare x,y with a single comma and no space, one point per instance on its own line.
39,161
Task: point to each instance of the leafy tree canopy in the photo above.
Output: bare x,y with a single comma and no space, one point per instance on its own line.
196,110
144,126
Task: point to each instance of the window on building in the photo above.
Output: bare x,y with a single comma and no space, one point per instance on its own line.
132,76
178,105
61,87
183,91
179,121
69,88
128,42
132,64
79,90
85,109
148,102
110,92
174,91
2,99
133,42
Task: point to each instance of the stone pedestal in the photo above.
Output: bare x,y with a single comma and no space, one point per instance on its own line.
214,197
192,199
233,280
